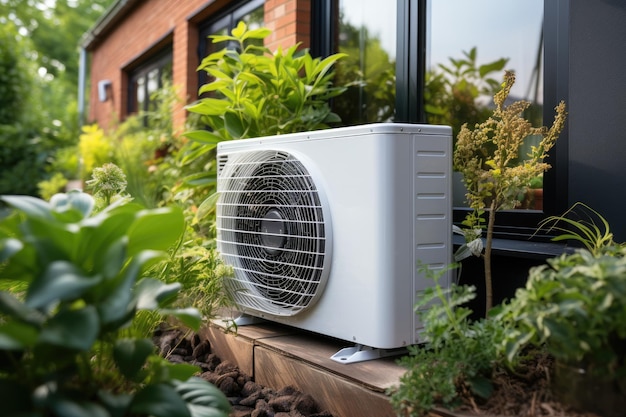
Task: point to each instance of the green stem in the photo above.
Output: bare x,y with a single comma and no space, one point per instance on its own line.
487,258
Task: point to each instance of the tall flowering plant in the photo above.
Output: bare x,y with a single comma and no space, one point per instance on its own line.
494,172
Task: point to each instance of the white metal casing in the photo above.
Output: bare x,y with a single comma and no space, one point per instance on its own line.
386,193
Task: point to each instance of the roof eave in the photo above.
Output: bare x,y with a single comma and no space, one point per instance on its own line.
111,16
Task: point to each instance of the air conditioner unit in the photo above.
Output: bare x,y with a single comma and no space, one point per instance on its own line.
325,230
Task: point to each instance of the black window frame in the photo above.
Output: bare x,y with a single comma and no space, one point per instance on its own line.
160,61
226,18
410,69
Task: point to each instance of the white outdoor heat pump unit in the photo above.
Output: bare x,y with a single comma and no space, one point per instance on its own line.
326,230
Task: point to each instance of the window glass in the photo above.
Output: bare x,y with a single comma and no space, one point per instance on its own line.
146,79
469,45
367,33
252,13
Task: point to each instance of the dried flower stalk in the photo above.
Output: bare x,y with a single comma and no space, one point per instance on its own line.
494,172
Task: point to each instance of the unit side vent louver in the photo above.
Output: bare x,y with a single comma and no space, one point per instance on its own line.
271,228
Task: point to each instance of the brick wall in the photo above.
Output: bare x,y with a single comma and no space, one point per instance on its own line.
152,24
290,22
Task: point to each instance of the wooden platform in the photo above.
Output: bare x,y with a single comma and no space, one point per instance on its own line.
277,356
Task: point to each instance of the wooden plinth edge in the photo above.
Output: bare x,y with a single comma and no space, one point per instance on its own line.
277,356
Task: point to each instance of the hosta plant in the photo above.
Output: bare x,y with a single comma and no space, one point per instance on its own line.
73,285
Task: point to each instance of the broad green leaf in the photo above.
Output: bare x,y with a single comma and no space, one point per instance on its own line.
15,309
73,200
332,118
207,206
481,386
200,179
233,124
116,404
203,398
31,206
498,65
239,31
60,281
197,153
326,64
68,407
217,85
113,260
130,355
119,303
9,247
17,336
72,329
219,75
159,400
22,266
203,136
253,110
53,239
152,294
250,78
156,229
208,106
260,33
222,38
190,317
98,233
169,372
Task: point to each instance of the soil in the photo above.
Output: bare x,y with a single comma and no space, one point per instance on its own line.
248,399
526,394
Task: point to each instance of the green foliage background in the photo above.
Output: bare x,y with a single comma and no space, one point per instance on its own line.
39,66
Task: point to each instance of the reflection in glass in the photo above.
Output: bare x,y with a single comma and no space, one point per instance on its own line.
252,15
140,91
367,34
469,45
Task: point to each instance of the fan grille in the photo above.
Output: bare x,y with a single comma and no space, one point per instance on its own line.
271,229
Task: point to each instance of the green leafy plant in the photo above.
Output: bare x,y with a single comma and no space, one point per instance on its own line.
451,92
459,355
573,304
579,224
95,148
260,93
494,173
64,344
572,308
253,92
107,182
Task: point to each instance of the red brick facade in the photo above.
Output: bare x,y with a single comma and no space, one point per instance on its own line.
147,26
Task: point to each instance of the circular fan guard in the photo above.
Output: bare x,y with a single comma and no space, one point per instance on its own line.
272,230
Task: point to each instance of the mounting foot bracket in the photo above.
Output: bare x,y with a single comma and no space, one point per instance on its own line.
360,353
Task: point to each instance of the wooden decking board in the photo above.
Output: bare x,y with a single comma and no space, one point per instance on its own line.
277,356
333,393
377,375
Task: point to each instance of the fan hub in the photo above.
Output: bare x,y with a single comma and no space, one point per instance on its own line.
274,231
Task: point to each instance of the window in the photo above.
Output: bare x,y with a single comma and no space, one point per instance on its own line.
437,44
363,33
463,72
148,77
250,12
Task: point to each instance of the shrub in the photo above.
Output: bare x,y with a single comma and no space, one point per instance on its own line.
459,355
64,344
